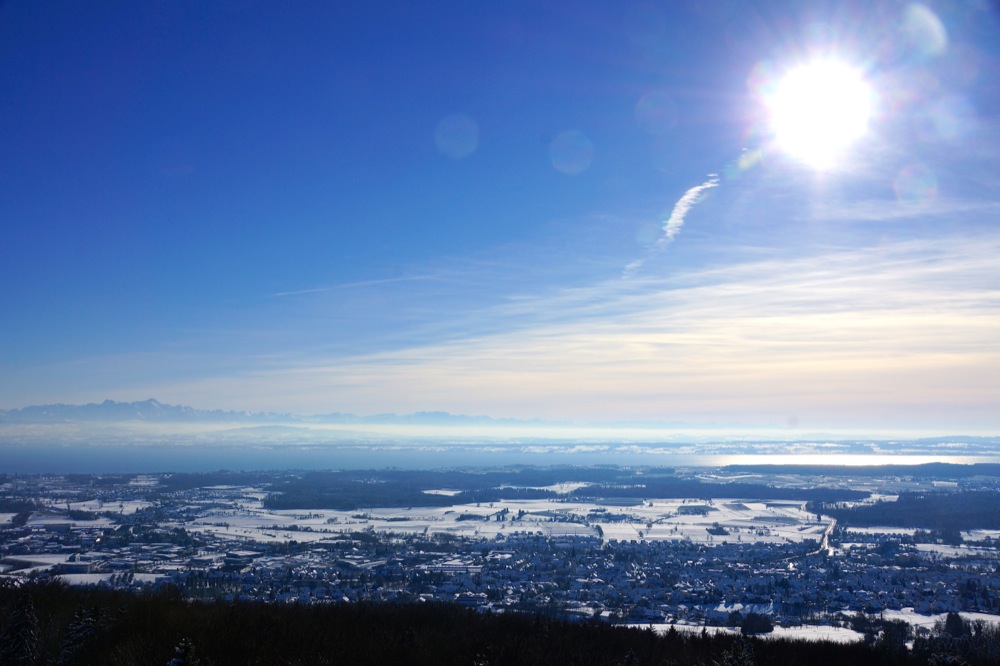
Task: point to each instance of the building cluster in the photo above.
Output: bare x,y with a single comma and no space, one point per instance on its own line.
125,543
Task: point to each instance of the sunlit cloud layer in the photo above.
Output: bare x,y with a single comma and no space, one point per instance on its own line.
902,334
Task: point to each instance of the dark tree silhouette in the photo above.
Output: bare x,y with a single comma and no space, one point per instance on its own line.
80,634
954,625
756,623
19,640
184,654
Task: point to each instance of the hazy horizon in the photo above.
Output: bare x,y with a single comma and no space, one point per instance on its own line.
151,416
150,436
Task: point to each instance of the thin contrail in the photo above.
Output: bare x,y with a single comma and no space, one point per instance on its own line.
350,285
673,224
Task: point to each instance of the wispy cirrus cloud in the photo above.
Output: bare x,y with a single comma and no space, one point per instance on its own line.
879,337
351,285
890,210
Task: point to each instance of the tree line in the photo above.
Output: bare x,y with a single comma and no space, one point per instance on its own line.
936,510
51,624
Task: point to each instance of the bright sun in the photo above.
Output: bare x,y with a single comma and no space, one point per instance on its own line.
818,110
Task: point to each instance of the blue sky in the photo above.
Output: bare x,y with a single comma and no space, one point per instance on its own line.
528,210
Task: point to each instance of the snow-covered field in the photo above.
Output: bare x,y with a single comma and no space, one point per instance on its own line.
41,520
826,632
34,563
959,551
98,578
804,632
126,507
897,531
770,522
980,535
909,616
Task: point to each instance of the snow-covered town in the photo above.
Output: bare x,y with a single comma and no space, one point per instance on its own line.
652,561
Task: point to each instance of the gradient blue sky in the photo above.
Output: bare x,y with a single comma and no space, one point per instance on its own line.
461,206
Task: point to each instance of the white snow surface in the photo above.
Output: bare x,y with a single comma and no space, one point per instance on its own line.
656,520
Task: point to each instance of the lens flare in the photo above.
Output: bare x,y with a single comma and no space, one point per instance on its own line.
656,113
571,152
456,136
916,186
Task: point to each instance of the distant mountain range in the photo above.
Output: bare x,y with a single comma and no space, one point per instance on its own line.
153,410
109,410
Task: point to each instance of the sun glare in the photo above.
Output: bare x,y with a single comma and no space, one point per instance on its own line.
818,110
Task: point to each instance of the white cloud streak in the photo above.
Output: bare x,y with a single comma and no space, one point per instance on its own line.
672,225
676,220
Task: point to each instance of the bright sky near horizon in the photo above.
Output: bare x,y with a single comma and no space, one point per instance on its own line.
769,214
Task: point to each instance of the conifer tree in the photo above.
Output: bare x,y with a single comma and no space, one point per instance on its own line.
954,625
79,633
740,654
19,639
184,654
